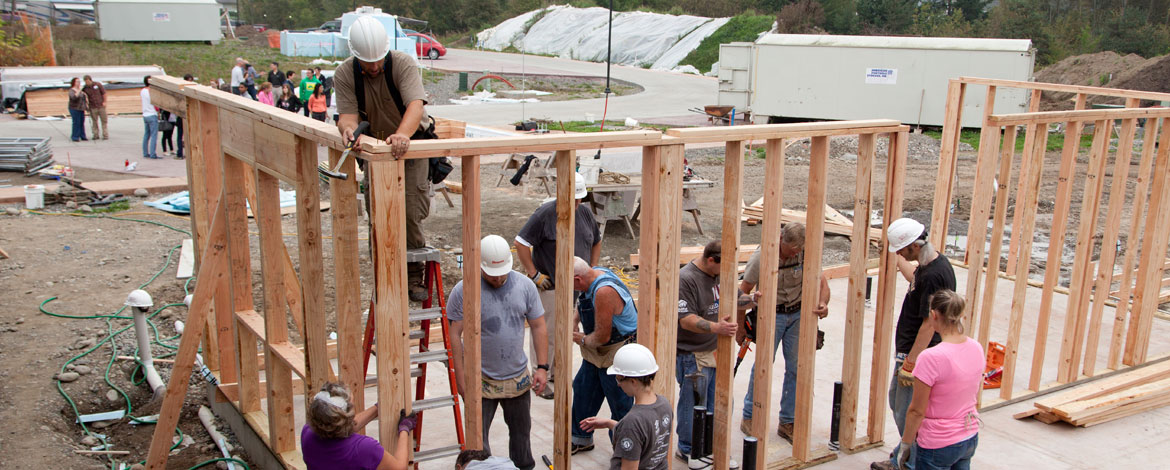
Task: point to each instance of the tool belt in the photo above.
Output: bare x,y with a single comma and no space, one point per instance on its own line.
507,388
751,317
602,356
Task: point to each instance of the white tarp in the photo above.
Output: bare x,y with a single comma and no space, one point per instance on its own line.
639,38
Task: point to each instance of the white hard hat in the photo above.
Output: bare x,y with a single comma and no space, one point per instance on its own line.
495,256
903,232
580,190
633,360
368,41
139,298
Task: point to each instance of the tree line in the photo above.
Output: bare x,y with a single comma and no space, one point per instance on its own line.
1057,28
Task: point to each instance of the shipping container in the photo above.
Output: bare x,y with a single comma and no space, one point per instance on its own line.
805,76
158,20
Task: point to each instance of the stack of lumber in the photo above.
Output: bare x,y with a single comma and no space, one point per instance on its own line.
1125,394
25,154
835,222
55,101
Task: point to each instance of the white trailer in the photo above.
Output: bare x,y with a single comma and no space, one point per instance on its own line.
158,20
867,77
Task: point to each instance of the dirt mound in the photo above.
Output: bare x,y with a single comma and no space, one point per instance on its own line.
1097,69
1154,75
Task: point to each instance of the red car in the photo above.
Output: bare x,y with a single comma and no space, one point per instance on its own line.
426,46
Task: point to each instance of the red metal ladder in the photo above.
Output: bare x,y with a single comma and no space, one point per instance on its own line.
426,355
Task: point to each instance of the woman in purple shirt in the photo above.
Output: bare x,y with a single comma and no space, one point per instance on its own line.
329,438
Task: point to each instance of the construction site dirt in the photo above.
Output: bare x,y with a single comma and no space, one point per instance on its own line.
83,265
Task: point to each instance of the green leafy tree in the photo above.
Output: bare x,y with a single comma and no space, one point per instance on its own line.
1129,31
840,16
1023,19
886,16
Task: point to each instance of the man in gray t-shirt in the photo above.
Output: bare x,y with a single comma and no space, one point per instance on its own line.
507,301
698,329
536,246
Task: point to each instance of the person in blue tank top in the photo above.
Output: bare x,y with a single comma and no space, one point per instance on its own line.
608,320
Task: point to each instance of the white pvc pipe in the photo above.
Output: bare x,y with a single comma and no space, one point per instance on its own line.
207,418
144,357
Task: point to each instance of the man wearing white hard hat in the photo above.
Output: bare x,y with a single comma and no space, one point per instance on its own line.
913,334
642,437
384,87
507,301
536,245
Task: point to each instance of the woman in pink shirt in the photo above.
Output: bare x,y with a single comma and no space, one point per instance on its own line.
265,95
942,420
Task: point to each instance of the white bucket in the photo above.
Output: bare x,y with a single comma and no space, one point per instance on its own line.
34,196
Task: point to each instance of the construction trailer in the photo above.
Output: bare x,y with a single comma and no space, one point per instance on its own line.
331,44
158,20
245,150
812,76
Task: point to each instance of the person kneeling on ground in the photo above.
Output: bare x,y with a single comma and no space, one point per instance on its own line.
481,460
942,424
642,437
329,439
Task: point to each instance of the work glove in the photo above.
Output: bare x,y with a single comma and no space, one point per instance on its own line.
406,423
543,281
905,377
904,455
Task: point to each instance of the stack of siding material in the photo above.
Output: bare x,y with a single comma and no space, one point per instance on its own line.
27,154
1126,394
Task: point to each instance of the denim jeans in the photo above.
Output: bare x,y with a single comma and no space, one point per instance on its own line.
900,402
788,331
78,125
179,130
956,456
591,386
518,417
150,138
684,364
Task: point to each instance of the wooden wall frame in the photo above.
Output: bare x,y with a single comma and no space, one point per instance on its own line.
240,151
1081,334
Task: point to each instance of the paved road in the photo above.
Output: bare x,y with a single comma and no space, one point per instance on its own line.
666,94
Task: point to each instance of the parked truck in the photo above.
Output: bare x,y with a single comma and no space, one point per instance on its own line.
805,76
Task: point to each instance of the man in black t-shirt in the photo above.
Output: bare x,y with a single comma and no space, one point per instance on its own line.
536,247
699,326
276,78
913,333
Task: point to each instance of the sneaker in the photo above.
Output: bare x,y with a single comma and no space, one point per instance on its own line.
882,465
745,426
578,448
784,430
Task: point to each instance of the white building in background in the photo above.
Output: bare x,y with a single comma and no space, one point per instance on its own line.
158,20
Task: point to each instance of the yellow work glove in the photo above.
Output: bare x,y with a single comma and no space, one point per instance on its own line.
543,281
905,377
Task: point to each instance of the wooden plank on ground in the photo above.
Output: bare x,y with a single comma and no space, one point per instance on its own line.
1096,388
186,260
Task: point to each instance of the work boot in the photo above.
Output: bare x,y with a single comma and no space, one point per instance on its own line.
578,448
745,426
418,292
784,430
882,465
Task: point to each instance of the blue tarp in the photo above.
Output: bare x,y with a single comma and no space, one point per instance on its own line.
180,202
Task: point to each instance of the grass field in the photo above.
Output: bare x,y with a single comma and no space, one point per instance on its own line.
1055,141
203,61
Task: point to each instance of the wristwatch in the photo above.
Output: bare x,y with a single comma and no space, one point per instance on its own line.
542,366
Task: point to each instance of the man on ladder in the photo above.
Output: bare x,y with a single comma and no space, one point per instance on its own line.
508,300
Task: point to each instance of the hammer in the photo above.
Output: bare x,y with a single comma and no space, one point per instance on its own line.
336,172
